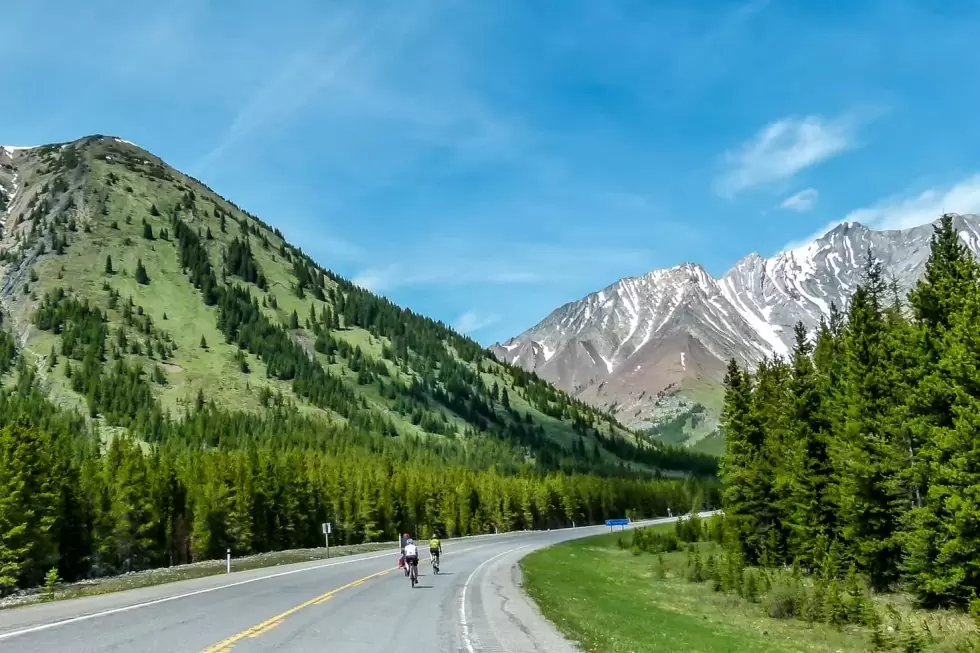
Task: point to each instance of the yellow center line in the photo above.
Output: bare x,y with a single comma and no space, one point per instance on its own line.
255,631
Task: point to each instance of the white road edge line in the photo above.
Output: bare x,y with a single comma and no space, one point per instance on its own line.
462,599
136,606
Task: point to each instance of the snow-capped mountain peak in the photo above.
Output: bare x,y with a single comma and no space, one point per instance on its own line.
627,343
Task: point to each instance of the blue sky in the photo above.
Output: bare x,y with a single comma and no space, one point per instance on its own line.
485,162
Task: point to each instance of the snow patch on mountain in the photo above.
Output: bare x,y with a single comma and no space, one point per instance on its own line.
624,341
10,150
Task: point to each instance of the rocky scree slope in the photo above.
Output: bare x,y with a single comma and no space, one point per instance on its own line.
137,292
653,348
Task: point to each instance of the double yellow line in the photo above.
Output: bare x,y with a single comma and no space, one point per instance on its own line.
226,645
272,622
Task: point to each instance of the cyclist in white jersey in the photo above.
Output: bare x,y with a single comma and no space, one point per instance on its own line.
411,553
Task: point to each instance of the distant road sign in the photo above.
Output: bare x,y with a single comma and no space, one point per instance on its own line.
617,522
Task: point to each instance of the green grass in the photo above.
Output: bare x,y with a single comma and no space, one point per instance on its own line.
713,444
614,601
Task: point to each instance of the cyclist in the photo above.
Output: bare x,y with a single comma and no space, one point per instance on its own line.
435,550
401,551
411,555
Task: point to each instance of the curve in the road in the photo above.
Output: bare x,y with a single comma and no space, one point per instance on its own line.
474,604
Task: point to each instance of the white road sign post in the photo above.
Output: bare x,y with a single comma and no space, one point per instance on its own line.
326,534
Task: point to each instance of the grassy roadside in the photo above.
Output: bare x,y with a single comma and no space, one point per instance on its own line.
166,575
613,600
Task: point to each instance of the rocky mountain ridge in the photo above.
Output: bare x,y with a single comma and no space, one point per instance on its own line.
654,347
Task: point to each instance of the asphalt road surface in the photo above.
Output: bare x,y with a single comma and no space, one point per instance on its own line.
355,604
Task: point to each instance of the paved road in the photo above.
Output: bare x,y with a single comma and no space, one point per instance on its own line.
356,604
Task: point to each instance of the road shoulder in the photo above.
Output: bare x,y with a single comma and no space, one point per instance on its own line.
505,618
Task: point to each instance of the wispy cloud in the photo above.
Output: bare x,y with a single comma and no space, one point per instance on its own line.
471,322
344,56
782,149
902,212
801,202
307,72
504,263
908,210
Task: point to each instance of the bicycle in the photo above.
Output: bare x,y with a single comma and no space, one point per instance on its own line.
414,573
434,561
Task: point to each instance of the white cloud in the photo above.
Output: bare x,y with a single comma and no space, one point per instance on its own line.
911,210
801,202
503,263
470,321
899,212
782,149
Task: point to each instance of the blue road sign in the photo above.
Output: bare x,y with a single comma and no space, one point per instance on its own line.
617,522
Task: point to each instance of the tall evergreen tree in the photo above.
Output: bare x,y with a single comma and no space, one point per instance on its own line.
140,275
943,304
743,492
808,504
952,510
866,471
28,507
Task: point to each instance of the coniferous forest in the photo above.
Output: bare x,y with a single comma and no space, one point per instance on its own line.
861,453
131,440
220,480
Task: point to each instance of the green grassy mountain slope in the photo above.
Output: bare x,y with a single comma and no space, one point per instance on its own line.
139,294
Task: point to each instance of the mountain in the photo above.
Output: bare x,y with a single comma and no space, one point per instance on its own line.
653,349
138,296
177,382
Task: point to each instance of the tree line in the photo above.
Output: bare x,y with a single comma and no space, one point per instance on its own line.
250,483
865,444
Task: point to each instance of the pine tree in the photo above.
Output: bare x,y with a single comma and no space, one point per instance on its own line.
738,464
140,275
108,264
943,543
807,501
28,507
866,470
147,230
940,299
769,411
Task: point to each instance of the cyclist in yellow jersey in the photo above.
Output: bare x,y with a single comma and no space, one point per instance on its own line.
435,550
